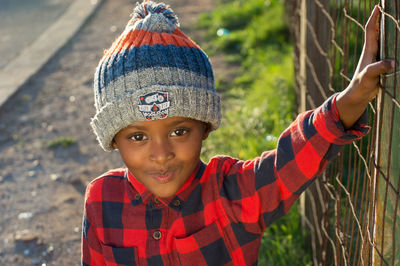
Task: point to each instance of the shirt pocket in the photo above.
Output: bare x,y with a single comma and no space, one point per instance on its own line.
119,255
205,247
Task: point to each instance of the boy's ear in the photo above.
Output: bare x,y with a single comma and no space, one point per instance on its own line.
114,144
207,130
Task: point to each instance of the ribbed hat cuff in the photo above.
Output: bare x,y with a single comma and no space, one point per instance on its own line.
198,104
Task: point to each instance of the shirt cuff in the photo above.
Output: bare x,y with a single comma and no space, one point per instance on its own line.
327,123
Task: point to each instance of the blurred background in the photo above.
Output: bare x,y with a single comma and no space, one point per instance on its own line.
22,21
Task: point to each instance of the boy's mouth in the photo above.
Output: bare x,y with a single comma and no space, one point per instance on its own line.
163,177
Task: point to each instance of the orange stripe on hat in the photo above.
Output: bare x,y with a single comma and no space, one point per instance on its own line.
138,38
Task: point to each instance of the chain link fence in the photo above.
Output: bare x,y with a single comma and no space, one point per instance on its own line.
353,211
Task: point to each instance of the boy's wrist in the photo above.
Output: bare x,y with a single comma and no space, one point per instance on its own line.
350,107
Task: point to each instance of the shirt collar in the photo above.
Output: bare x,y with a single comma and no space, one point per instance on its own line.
183,193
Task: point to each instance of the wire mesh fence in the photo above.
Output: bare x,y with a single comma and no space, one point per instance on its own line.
353,211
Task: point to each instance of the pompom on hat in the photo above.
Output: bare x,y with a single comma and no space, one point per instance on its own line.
152,71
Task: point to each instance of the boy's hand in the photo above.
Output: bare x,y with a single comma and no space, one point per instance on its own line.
364,86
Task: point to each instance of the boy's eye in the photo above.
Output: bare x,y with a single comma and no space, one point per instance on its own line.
179,132
138,137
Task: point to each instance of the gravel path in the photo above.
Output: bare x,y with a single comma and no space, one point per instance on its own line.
42,183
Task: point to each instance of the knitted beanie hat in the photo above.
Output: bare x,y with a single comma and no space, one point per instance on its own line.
152,71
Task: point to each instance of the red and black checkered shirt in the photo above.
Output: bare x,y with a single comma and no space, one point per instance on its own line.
220,213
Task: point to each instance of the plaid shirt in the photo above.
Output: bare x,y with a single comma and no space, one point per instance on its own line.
220,213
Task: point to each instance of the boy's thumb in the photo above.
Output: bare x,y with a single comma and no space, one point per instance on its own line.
380,67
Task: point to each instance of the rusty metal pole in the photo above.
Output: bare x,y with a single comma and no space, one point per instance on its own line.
303,55
387,211
302,90
314,78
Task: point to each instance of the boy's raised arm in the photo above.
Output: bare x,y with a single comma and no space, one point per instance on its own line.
364,86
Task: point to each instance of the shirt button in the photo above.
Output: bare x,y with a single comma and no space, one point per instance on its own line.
157,235
176,203
156,200
137,196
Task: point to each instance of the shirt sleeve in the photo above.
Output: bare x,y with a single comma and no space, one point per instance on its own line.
260,191
90,245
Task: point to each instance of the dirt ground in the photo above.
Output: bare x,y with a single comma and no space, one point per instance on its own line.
42,187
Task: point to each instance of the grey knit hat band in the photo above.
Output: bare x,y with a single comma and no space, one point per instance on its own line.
161,76
192,103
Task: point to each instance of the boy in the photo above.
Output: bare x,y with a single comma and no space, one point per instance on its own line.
156,102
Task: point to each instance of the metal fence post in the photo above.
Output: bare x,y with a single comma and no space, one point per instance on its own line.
387,174
313,84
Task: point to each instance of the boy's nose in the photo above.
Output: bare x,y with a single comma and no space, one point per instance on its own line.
161,152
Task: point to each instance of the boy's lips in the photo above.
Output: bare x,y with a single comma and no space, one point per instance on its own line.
162,177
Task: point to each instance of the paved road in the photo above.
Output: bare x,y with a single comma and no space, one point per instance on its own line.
22,21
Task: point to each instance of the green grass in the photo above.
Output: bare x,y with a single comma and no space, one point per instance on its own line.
284,242
258,104
61,142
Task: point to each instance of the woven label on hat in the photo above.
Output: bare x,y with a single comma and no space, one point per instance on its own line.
154,105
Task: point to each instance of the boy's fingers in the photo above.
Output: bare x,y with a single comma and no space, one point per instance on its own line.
368,57
372,28
378,68
371,38
373,21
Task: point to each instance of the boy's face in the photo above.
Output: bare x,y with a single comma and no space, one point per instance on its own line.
162,154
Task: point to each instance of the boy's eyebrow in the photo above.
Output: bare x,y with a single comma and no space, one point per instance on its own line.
136,126
170,124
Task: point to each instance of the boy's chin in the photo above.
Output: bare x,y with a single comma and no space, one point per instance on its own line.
165,193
